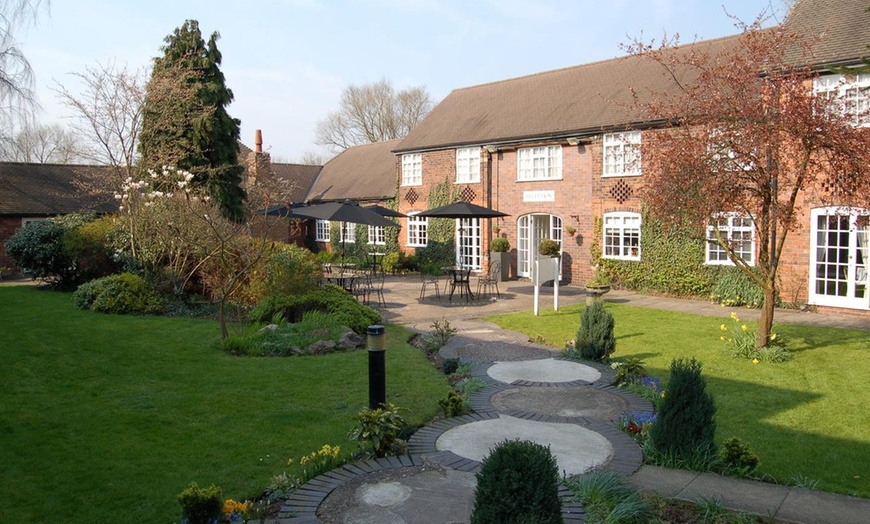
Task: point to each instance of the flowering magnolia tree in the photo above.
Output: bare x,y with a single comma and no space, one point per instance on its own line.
179,235
743,133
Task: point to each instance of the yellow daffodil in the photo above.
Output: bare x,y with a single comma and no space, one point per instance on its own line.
722,339
773,337
734,316
755,361
744,328
723,328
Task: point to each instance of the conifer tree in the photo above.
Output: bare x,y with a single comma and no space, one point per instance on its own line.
185,122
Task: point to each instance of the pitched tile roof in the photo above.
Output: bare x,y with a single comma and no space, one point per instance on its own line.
843,28
298,178
54,189
360,173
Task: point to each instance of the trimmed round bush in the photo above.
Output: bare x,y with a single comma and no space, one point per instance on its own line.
122,294
518,483
330,298
685,424
595,339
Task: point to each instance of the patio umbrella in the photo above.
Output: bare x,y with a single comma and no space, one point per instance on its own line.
385,211
280,210
346,211
462,210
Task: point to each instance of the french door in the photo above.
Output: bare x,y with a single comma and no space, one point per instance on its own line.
839,257
531,229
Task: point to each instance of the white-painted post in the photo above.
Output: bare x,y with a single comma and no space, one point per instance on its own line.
556,261
536,282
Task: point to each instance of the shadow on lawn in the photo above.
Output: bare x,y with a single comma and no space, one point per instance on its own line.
821,338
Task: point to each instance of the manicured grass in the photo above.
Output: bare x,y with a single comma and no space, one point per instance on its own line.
107,418
804,417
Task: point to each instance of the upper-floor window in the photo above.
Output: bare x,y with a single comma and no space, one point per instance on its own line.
849,95
322,231
539,163
621,236
412,169
417,231
467,165
622,154
377,235
738,233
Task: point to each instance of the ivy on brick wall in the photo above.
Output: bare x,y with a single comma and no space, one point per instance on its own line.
672,261
440,250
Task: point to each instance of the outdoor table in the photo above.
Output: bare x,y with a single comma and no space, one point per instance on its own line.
460,277
376,261
343,280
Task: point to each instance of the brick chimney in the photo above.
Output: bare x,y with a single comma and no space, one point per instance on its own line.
259,163
258,141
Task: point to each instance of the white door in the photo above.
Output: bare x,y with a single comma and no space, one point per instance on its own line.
531,229
468,243
839,257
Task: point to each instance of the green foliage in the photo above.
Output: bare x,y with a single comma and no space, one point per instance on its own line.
672,261
289,270
90,245
442,230
470,385
518,482
549,248
629,371
740,339
436,255
330,298
595,339
685,423
201,505
377,431
449,365
441,333
737,458
735,288
37,249
185,122
500,245
121,294
288,339
607,497
454,405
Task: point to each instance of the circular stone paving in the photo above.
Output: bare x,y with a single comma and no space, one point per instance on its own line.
576,448
545,370
581,401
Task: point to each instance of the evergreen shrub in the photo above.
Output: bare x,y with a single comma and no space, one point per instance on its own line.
201,505
685,424
121,294
518,483
595,340
330,298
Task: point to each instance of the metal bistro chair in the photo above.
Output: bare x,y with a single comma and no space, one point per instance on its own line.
362,287
490,279
377,288
427,280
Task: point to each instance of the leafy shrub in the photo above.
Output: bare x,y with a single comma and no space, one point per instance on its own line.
629,371
122,294
518,482
470,385
200,505
736,288
288,270
549,248
344,308
90,246
595,339
500,245
685,423
607,497
436,254
378,429
737,458
37,249
449,366
453,405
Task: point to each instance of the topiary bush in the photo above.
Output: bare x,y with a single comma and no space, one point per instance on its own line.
685,424
595,339
201,505
549,248
122,294
518,482
329,298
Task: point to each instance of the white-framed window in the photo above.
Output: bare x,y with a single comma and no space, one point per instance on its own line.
321,231
738,231
539,163
377,236
622,154
412,169
621,236
348,233
468,243
850,95
417,231
467,165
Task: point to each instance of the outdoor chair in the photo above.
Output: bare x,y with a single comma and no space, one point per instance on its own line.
377,288
428,280
490,279
362,287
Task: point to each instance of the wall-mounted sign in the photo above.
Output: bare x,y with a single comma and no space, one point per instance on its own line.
539,196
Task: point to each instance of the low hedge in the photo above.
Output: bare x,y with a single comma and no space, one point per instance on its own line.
122,294
329,298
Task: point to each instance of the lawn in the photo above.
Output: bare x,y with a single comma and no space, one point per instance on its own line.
805,418
107,418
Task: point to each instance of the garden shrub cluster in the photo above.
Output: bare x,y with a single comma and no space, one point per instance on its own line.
288,339
200,505
121,294
330,298
518,482
287,270
607,497
735,288
595,339
377,431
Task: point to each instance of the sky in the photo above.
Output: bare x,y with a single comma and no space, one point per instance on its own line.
287,61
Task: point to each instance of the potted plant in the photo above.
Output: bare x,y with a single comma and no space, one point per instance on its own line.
500,251
549,248
570,231
598,285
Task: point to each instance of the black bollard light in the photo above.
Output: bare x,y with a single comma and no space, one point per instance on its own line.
377,346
